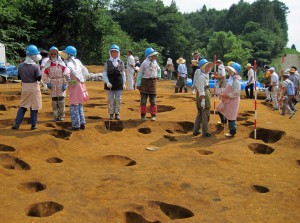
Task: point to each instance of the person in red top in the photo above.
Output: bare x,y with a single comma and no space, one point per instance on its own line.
54,75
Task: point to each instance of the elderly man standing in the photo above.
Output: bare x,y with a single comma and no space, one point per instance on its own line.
130,70
274,88
250,82
201,85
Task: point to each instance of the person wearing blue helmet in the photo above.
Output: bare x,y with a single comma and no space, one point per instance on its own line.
146,82
230,99
31,97
54,76
114,81
75,75
201,85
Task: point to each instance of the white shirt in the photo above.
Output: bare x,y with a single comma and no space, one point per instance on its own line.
250,76
130,64
274,78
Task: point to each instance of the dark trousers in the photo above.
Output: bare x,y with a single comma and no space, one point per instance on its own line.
20,115
250,86
231,124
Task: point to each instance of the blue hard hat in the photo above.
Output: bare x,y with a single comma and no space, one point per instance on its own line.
53,48
202,62
71,50
150,52
32,50
237,67
114,47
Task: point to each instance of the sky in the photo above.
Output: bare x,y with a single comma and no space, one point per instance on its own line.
292,17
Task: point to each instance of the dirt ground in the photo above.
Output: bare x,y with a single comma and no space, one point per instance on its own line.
107,173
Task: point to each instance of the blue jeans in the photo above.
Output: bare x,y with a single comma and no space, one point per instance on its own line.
33,116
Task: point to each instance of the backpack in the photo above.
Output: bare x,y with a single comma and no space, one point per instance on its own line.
290,90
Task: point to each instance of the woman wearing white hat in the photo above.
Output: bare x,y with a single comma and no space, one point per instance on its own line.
228,107
181,76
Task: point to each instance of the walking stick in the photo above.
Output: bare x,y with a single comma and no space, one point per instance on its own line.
215,62
282,73
255,98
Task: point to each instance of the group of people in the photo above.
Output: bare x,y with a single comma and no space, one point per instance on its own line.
58,73
63,70
229,94
285,94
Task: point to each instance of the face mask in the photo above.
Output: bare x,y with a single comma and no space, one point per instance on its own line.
37,57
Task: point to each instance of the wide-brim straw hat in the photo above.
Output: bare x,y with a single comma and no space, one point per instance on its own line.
210,64
230,68
152,54
63,54
195,53
180,61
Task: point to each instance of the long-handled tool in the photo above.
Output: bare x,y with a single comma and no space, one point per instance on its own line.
215,82
255,98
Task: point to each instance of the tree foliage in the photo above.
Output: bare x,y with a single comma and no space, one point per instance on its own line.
93,25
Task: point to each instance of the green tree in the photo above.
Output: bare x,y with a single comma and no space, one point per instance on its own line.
227,47
15,30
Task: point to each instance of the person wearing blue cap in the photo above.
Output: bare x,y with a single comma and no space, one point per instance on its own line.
31,97
76,87
201,85
114,81
54,76
230,99
146,83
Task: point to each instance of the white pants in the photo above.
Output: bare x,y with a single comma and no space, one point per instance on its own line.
268,95
114,101
274,96
130,79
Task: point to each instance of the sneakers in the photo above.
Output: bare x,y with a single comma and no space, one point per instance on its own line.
73,128
33,127
196,133
117,117
111,116
207,134
15,127
82,126
229,135
143,118
60,119
291,115
153,118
